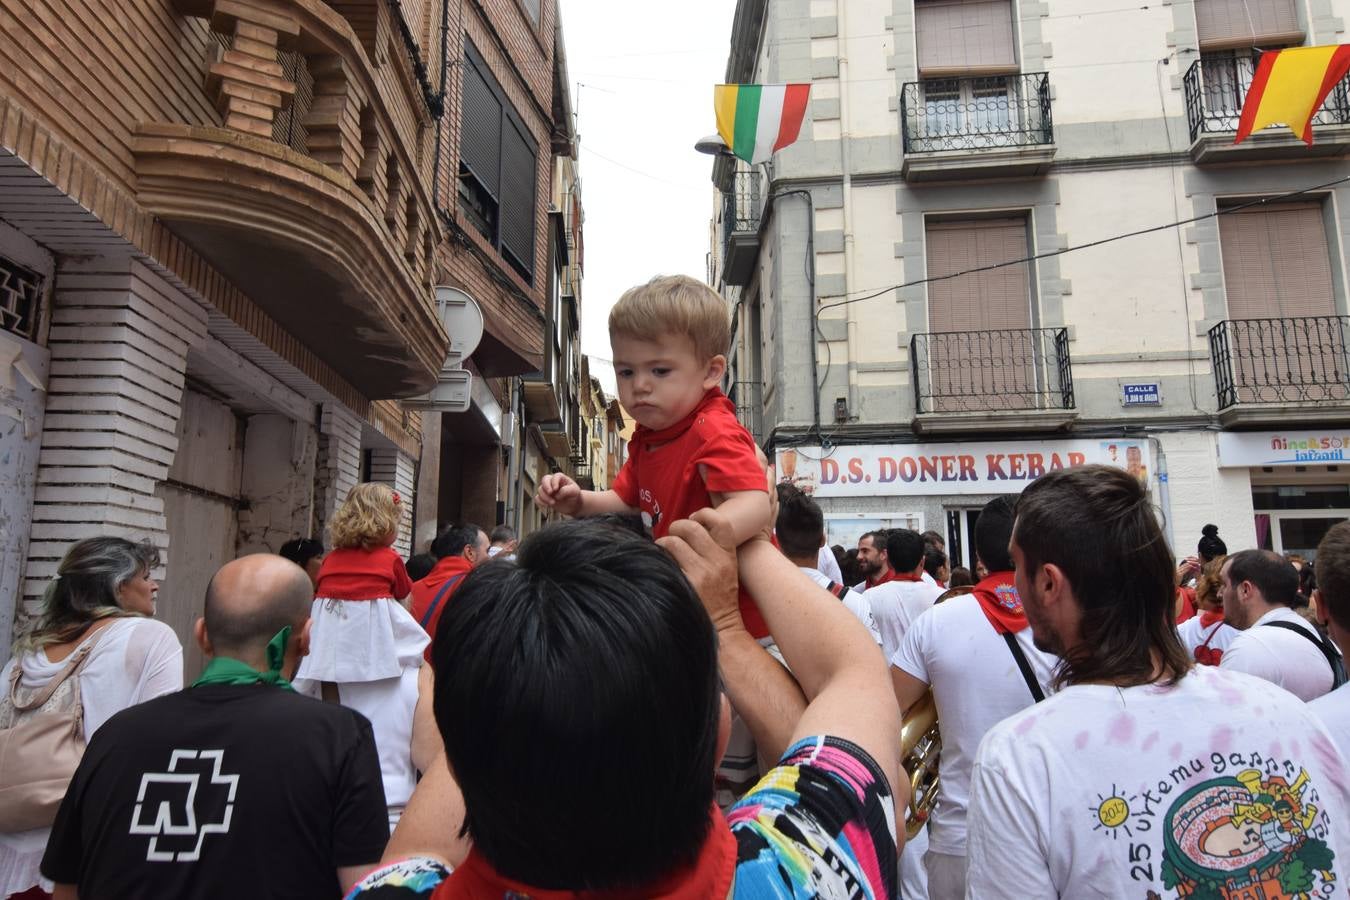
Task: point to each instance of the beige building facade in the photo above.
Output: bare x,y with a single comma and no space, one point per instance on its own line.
945,136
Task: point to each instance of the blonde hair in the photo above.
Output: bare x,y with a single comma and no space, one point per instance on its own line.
85,588
1208,584
370,512
678,305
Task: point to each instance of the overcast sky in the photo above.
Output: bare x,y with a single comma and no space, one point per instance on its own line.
642,83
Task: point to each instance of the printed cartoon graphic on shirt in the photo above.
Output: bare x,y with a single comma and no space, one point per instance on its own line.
180,807
1234,826
651,509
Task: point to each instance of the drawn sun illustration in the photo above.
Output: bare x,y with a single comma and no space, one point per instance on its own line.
1113,812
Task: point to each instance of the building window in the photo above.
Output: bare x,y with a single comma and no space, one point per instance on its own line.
968,105
1225,24
498,165
958,37
1276,262
20,293
993,300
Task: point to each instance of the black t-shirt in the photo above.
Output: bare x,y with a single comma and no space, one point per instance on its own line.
221,791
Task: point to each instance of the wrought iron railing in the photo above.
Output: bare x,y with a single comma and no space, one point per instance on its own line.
1281,360
1216,88
991,371
741,207
977,113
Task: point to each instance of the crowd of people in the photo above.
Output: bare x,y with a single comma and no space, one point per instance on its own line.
682,691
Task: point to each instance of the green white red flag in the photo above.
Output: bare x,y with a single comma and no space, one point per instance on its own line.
756,120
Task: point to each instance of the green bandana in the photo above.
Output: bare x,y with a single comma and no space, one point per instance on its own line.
222,670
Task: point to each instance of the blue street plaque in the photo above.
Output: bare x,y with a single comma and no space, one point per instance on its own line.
1141,394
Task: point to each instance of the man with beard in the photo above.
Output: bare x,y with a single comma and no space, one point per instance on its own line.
1142,773
873,564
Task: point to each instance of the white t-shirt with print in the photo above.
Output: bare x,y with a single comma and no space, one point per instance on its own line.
1222,785
895,605
976,684
1334,710
1219,636
852,600
1280,656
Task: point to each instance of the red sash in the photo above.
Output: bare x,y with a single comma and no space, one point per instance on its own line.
709,876
999,602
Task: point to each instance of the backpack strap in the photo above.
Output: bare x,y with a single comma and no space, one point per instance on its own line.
837,589
1332,657
1022,663
436,602
72,667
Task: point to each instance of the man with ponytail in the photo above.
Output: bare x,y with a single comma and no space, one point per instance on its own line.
1142,775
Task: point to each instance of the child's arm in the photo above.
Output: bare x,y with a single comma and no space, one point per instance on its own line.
557,491
747,511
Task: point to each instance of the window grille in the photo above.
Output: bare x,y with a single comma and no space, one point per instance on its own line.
20,295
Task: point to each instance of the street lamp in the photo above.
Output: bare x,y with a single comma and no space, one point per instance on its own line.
713,145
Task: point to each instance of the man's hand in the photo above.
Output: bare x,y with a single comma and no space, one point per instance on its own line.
557,491
704,547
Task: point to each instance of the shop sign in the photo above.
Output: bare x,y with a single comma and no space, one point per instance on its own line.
1140,394
908,470
1246,449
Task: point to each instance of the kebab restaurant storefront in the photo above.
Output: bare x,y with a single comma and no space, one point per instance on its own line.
939,486
1300,482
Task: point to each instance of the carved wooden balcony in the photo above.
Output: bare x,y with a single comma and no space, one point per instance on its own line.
308,194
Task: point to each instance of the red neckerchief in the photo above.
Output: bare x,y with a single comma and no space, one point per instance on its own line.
1209,617
999,602
907,576
645,436
709,876
888,577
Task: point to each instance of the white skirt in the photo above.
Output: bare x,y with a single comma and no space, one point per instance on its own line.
360,640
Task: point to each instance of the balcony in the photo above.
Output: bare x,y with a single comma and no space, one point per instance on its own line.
741,210
987,127
1281,371
1216,88
308,194
1012,380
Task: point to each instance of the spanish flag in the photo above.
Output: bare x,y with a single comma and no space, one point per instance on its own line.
1289,87
757,120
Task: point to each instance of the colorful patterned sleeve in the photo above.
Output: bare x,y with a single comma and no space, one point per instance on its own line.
820,824
412,879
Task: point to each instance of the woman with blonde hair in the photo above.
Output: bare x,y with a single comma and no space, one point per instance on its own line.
365,648
1207,635
100,605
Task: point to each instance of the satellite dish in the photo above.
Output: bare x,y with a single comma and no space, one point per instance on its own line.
463,320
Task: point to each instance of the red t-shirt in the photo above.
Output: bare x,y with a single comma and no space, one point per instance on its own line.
424,594
661,477
350,573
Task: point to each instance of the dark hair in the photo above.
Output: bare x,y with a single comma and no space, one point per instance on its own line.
1333,573
1307,581
586,670
933,539
933,560
960,577
301,550
848,566
904,549
245,625
877,537
85,588
502,533
420,565
1095,524
454,538
1210,545
993,531
1273,575
801,525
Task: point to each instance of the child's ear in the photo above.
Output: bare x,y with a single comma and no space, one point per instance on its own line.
717,367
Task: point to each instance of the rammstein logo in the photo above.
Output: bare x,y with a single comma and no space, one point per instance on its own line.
166,805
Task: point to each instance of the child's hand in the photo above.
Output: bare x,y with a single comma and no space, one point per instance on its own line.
557,491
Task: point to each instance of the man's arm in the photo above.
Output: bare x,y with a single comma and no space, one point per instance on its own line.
762,691
908,689
432,820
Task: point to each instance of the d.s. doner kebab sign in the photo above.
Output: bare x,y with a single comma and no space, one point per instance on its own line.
994,467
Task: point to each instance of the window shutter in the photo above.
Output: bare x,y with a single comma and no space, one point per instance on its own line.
519,176
981,301
1276,262
1222,24
964,36
481,125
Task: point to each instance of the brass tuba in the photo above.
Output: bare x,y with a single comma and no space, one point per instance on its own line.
920,747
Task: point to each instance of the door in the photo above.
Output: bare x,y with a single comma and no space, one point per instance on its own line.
1293,518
